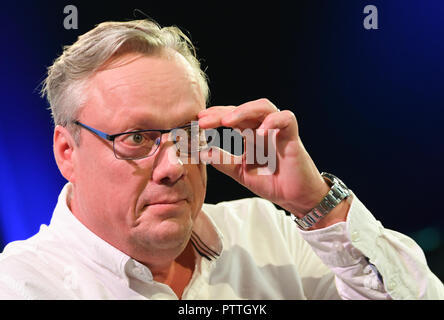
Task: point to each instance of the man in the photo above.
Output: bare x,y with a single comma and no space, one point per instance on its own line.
131,222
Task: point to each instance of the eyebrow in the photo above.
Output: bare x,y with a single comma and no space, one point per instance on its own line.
195,118
145,121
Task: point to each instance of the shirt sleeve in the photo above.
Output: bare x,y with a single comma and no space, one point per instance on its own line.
372,262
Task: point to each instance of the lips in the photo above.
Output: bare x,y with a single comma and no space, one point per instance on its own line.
165,199
165,202
165,208
168,201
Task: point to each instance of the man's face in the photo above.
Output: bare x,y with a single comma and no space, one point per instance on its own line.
148,205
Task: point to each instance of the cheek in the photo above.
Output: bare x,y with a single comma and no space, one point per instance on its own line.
119,182
198,178
126,182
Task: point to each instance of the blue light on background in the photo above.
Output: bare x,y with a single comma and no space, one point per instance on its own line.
30,181
377,94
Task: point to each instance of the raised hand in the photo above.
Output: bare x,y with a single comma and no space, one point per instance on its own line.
295,184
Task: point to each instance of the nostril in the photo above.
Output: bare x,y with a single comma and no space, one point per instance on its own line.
168,168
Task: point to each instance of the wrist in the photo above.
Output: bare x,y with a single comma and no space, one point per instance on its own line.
338,214
330,210
317,197
307,202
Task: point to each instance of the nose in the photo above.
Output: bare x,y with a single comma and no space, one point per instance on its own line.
168,168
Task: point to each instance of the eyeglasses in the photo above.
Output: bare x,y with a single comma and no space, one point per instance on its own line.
141,144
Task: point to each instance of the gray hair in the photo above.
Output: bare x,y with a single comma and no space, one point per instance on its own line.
69,73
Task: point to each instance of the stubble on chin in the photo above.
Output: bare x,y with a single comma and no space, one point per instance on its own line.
166,239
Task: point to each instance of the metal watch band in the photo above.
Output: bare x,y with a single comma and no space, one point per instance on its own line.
338,192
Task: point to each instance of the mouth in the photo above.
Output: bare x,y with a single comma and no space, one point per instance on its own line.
166,202
166,205
165,209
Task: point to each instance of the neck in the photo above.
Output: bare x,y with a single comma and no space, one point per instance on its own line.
177,274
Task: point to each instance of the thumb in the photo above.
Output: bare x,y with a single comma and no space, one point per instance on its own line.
223,161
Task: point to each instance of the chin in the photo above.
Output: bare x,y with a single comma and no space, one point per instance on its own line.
167,234
176,235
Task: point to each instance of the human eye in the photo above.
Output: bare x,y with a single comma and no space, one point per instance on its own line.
135,139
138,139
136,145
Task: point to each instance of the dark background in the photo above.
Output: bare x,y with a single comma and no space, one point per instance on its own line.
369,102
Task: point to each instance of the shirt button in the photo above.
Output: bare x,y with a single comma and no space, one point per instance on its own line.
391,285
355,236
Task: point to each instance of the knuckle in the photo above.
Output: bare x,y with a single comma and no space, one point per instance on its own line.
290,114
264,101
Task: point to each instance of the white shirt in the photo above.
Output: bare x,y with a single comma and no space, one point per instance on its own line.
245,249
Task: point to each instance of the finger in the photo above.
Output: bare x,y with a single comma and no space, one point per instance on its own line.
285,121
211,117
251,112
214,109
223,161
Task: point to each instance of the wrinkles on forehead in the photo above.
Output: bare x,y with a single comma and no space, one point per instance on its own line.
161,91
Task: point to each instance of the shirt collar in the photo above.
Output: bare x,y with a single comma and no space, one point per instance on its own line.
206,239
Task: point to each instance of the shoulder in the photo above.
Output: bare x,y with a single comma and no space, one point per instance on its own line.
28,266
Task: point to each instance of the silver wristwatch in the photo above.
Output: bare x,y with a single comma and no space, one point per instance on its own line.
338,192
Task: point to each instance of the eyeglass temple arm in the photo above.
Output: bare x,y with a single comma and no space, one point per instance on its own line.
95,131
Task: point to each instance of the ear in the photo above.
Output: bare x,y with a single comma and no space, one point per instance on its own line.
64,146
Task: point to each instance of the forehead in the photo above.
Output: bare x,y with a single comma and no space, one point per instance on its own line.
150,91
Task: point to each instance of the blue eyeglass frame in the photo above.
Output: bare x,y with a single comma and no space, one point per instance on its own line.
112,137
